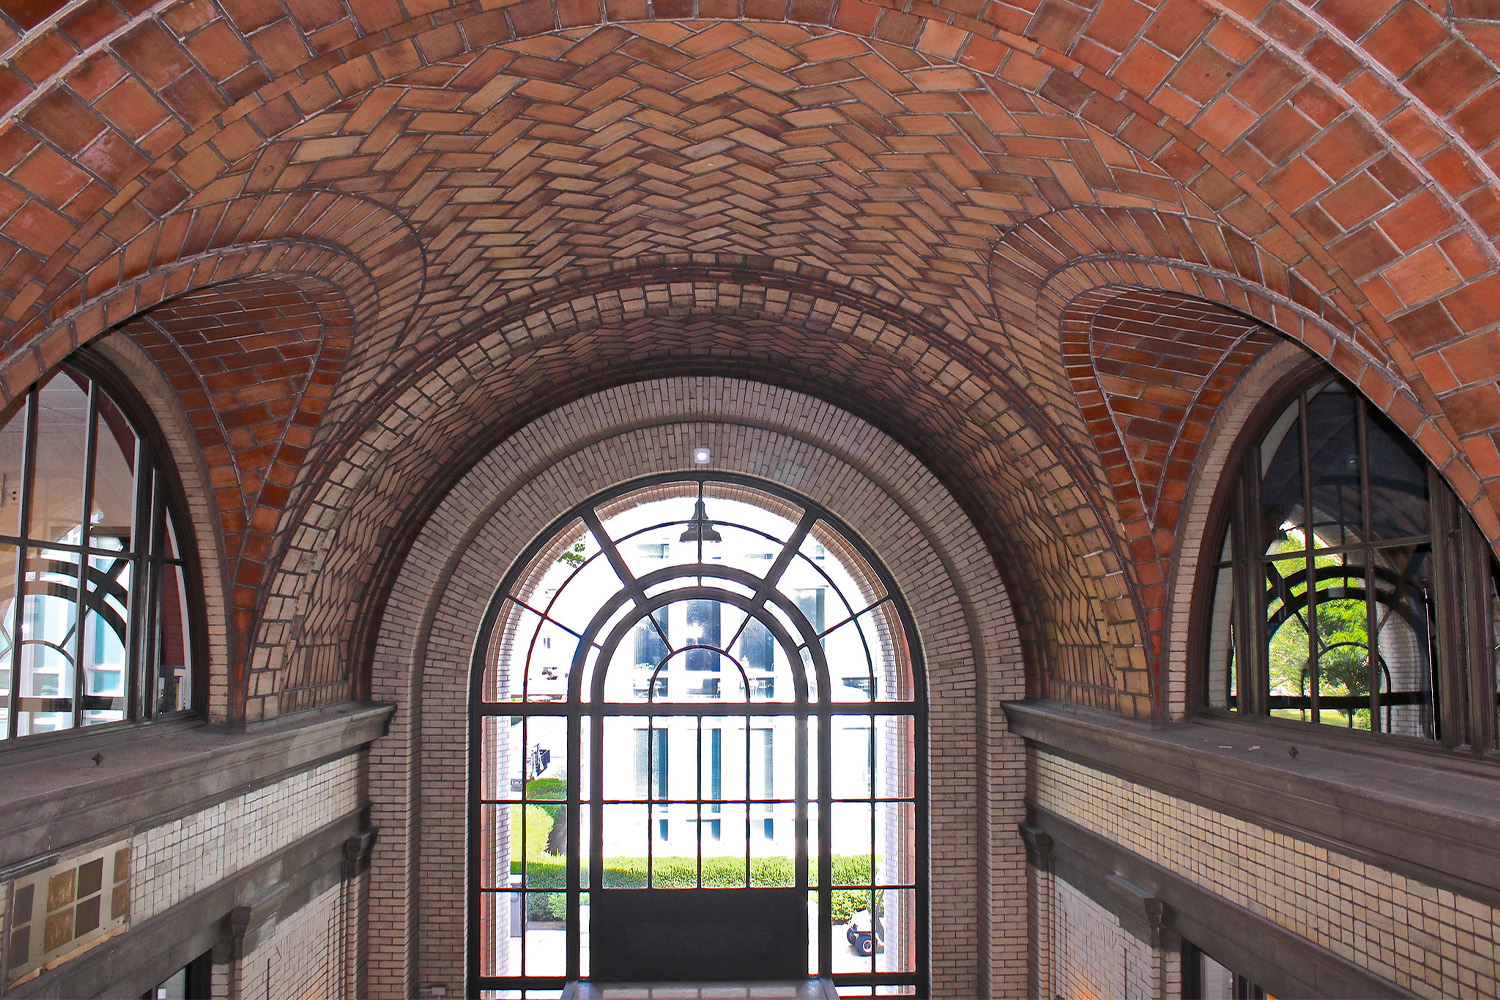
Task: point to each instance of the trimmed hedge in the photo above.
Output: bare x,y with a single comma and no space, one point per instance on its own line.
547,872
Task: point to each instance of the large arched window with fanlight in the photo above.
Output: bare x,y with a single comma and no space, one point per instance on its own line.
1348,588
95,625
697,751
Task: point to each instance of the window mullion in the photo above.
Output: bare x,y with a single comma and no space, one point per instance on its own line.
1250,576
145,581
1367,553
1309,569
23,557
1464,621
85,536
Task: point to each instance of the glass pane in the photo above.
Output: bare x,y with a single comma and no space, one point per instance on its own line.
773,844
1404,639
1221,691
12,458
723,832
1290,657
62,440
579,595
174,678
502,748
703,620
1334,466
8,559
49,618
1495,639
106,637
1281,496
113,505
502,837
853,755
551,658
626,769
1343,657
510,646
625,836
895,843
851,662
853,843
827,548
495,923
896,948
895,765
545,948
657,547
1398,482
885,634
856,935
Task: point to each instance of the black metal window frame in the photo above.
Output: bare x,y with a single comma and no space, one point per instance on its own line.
158,518
1462,599
706,580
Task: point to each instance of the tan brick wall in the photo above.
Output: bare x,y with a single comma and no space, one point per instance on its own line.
965,627
304,956
1429,940
176,859
1095,956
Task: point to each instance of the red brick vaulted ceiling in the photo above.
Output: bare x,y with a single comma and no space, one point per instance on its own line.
1151,368
455,169
254,362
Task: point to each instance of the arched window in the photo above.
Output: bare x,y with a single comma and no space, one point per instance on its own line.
1348,587
697,684
94,621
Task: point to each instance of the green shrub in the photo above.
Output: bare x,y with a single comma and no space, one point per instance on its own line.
538,826
546,872
548,788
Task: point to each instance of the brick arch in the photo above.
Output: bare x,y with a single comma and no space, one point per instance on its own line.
1076,613
1409,402
1151,369
118,303
1393,219
525,480
360,246
1066,253
1094,48
1063,53
254,361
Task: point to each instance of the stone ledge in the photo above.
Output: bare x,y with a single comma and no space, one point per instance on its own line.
56,795
1425,813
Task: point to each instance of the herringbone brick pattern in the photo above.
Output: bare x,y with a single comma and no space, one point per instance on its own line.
458,171
254,363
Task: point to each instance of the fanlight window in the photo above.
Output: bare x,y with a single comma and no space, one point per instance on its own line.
94,626
699,683
1349,588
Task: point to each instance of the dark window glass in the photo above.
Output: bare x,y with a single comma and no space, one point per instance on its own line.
1350,572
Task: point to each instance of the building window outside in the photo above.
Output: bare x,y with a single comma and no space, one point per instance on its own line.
94,619
1348,587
